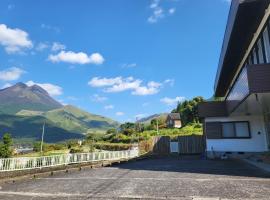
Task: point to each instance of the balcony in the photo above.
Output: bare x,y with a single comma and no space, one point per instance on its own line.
250,92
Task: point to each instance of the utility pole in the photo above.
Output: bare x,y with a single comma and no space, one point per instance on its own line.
42,138
139,131
157,126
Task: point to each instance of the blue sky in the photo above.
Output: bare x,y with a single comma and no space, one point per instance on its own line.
118,58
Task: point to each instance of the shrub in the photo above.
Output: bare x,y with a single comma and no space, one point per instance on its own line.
146,146
76,150
5,147
112,146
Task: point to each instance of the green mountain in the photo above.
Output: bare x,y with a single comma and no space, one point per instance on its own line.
62,122
76,120
25,127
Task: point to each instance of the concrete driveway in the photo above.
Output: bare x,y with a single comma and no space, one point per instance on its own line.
160,178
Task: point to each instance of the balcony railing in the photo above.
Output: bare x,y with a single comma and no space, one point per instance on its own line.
239,91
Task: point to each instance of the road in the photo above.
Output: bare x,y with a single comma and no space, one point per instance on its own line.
159,178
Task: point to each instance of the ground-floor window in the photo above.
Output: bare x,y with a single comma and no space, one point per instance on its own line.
235,130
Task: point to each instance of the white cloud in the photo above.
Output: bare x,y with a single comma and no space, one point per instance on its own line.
171,11
53,90
120,84
102,82
129,65
169,82
140,116
119,113
14,40
125,84
11,6
158,12
172,101
77,58
57,46
49,27
11,74
98,98
109,107
96,58
6,85
151,88
41,46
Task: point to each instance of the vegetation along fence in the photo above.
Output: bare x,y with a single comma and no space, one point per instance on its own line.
23,163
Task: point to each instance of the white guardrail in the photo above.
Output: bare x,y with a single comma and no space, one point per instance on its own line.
23,163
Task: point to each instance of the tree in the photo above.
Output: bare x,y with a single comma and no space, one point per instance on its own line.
161,123
111,131
188,110
6,146
127,125
94,136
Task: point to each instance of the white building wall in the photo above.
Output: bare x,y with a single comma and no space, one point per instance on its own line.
257,142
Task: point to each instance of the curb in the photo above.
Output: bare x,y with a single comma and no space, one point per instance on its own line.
11,177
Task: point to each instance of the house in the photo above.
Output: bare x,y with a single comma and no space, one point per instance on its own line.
173,120
240,123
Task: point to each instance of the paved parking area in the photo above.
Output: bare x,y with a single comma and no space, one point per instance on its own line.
160,178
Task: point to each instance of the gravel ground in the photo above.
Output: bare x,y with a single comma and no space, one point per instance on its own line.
159,178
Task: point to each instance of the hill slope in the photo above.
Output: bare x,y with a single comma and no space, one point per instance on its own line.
23,110
147,120
78,121
22,127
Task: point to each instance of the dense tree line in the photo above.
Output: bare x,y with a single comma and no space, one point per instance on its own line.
188,110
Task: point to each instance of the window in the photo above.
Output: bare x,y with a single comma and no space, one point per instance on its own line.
228,130
260,52
242,129
250,60
255,61
235,130
266,44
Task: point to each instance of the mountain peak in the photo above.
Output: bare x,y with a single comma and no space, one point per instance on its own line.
20,85
22,97
36,88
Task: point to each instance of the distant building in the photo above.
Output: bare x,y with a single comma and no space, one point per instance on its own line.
174,120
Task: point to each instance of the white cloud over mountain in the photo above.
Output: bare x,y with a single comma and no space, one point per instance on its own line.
53,90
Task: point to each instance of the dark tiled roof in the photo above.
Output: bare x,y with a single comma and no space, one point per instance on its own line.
175,116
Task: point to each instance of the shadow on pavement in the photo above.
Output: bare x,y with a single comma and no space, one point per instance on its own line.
194,164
